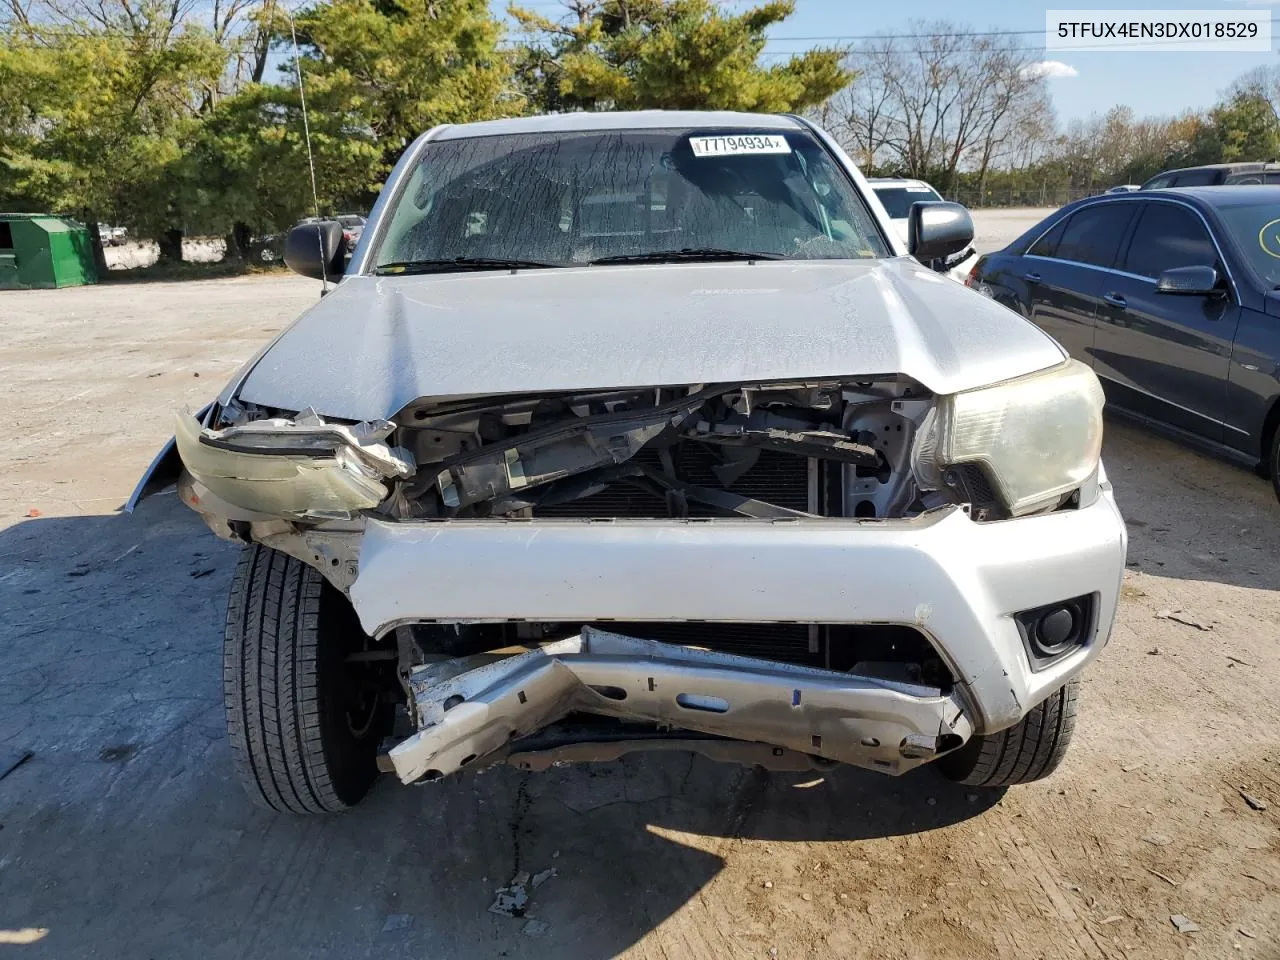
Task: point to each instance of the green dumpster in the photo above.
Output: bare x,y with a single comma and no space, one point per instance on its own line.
44,251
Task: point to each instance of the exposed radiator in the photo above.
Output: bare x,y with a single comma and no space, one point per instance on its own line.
836,647
779,478
788,642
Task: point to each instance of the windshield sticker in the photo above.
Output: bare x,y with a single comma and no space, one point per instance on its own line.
1269,239
919,189
742,143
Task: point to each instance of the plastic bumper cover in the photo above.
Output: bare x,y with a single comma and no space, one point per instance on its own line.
959,582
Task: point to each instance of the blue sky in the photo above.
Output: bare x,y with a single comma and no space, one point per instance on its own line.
1150,83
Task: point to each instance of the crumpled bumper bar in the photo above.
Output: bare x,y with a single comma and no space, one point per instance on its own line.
471,708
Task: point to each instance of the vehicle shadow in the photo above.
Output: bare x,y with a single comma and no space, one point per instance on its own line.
126,832
1190,516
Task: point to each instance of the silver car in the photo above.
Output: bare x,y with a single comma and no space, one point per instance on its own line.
647,431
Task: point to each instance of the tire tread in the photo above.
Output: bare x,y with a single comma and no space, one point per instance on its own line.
1029,750
271,654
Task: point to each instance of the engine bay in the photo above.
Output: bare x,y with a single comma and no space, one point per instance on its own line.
775,452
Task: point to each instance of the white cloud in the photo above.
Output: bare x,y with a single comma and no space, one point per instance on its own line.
1051,68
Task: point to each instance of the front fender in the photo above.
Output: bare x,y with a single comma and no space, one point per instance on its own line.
164,469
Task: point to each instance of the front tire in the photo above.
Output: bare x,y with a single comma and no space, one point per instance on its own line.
304,723
1029,750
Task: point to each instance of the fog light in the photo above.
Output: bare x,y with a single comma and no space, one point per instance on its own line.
1055,630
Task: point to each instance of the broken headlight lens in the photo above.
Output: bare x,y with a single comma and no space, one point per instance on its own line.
1036,438
285,469
293,442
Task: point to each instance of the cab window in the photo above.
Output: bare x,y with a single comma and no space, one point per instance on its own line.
1168,235
1094,233
1196,178
1047,245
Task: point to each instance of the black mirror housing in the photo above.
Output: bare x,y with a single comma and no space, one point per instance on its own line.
316,250
937,229
1188,281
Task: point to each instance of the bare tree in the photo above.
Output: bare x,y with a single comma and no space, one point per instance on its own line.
1016,114
860,115
15,13
938,102
1032,127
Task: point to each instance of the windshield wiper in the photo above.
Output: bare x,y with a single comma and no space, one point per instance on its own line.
687,253
460,263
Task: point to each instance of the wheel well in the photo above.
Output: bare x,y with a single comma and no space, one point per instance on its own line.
1269,428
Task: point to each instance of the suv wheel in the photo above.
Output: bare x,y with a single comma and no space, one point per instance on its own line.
1029,750
304,722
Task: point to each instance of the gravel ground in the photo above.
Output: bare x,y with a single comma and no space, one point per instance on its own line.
997,228
125,835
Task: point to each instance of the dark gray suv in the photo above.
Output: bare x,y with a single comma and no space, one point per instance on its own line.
1214,174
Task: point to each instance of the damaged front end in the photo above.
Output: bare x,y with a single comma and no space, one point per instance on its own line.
490,671
772,451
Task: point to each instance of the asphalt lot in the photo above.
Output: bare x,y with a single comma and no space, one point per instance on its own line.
125,835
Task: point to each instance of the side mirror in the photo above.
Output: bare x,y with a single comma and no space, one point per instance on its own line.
937,229
316,249
1188,281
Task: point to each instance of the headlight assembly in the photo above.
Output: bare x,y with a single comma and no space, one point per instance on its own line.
1037,437
283,468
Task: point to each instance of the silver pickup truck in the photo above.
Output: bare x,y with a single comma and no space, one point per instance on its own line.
647,431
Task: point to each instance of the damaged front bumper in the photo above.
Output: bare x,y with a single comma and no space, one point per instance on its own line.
475,708
960,583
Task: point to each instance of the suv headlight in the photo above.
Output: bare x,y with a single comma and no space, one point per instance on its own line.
1036,438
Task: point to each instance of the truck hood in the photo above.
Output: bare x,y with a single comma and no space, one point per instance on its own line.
375,344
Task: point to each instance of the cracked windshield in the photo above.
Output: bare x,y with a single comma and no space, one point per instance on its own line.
547,200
